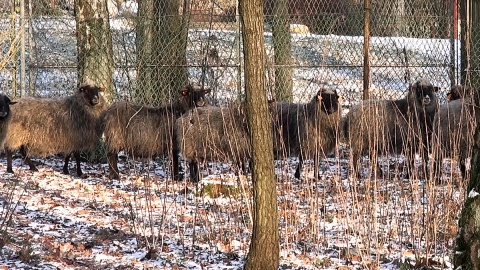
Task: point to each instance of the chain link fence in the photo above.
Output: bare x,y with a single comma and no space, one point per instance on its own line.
410,39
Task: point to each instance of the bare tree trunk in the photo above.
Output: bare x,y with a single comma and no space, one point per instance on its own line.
264,246
467,250
145,89
170,45
282,46
94,44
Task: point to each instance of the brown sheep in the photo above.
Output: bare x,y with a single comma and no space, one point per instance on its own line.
46,126
145,132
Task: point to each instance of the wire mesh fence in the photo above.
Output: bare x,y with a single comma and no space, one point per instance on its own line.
159,46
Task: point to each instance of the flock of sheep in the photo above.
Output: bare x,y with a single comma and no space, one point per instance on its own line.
198,132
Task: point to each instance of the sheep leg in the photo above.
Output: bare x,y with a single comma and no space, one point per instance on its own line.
299,167
112,165
65,164
194,173
76,155
9,154
176,165
26,159
463,167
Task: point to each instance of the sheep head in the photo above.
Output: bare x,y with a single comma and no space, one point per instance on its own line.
91,94
423,92
328,100
5,103
456,92
194,96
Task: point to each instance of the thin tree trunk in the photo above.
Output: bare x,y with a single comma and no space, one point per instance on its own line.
94,44
170,47
264,246
282,46
467,250
145,89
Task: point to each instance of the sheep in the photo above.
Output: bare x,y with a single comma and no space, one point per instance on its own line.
305,130
5,113
453,128
46,126
378,127
213,133
145,132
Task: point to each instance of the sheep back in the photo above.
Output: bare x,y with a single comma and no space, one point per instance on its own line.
214,133
454,128
141,131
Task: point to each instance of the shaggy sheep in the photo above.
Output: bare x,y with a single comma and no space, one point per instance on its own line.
145,132
305,130
45,126
5,113
453,128
378,127
213,133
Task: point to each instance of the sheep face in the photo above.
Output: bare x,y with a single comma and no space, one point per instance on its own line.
456,92
91,94
329,100
5,103
423,92
194,96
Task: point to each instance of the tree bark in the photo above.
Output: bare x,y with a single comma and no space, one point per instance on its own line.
282,46
467,250
264,246
94,44
161,47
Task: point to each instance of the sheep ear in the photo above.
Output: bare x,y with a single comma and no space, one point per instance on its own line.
319,97
207,91
102,89
340,99
449,96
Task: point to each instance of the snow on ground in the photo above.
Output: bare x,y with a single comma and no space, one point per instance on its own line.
147,221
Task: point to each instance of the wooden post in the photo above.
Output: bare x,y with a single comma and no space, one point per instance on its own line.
366,49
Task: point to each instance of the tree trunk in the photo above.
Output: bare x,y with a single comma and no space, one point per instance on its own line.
264,246
146,85
170,46
94,44
467,250
282,46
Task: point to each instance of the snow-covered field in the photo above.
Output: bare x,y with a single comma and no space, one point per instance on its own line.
148,221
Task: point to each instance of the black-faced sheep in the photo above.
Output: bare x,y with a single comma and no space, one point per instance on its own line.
453,128
308,130
46,126
213,133
5,113
145,132
378,127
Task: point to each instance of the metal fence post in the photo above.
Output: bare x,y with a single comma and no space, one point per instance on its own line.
22,48
366,50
